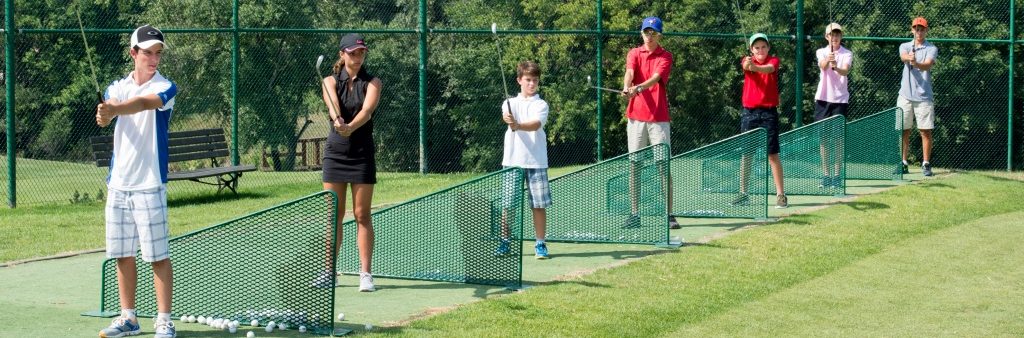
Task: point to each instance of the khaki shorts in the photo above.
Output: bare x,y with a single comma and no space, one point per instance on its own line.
642,134
921,112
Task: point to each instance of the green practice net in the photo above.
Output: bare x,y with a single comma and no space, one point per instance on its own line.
600,203
873,146
452,235
812,158
260,266
706,181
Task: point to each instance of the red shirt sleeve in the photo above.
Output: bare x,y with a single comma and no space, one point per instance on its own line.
664,68
631,59
774,61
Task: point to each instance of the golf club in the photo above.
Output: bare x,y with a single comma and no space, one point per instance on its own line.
504,83
830,21
591,85
323,86
95,81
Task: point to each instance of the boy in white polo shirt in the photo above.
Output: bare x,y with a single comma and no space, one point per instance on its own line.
832,97
136,211
526,147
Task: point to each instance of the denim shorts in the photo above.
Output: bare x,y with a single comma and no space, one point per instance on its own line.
767,118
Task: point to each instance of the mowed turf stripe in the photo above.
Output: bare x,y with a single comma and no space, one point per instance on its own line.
960,281
660,294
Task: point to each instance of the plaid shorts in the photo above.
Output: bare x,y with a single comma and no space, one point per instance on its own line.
134,218
537,180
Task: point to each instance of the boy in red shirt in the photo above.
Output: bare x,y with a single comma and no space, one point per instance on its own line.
760,110
645,85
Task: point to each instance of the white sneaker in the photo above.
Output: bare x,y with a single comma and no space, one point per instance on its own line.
366,282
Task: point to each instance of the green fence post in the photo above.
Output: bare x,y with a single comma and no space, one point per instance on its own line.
423,86
600,97
1009,97
234,83
12,190
798,94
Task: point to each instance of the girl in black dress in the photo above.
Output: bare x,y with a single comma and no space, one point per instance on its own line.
351,95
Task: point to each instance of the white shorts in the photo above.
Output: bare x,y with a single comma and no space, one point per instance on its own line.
137,219
641,134
921,112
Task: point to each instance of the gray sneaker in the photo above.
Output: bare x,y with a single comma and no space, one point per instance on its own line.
164,330
781,202
366,282
673,224
926,169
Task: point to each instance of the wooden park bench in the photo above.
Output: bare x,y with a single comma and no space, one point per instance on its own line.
188,146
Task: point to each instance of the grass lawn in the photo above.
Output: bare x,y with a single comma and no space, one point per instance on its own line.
939,257
40,230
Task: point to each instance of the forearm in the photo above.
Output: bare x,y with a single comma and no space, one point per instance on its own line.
762,69
651,81
134,105
627,79
369,105
527,126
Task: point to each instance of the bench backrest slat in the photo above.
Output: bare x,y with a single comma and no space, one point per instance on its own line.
183,146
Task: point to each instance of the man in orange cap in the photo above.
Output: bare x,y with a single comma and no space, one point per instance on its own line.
916,99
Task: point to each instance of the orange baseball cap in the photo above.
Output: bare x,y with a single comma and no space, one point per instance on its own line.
919,21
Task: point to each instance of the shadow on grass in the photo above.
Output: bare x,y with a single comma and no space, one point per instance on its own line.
934,185
625,254
479,290
213,198
865,206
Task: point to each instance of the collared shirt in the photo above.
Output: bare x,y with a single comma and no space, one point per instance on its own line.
140,155
651,104
359,144
526,149
916,85
761,90
833,87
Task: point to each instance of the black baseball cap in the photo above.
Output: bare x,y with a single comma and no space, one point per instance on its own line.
147,36
352,41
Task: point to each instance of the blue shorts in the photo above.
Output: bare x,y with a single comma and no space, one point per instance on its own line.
767,118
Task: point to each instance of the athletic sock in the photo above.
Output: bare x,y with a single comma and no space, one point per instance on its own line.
540,241
925,163
163,317
128,313
905,162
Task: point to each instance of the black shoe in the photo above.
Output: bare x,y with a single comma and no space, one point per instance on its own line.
632,222
741,199
837,182
672,224
902,169
825,182
926,169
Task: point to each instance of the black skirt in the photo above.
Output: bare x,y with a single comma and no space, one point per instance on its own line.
344,163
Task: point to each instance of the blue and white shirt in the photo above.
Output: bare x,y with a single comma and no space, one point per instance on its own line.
139,161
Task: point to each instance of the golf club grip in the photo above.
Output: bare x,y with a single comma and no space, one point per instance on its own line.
99,97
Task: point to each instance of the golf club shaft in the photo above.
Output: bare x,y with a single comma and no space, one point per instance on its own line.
81,28
504,83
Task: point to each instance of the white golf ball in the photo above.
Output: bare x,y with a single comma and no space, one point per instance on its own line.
191,319
282,326
341,316
368,327
269,328
250,335
254,323
235,323
271,323
232,329
201,320
302,328
184,318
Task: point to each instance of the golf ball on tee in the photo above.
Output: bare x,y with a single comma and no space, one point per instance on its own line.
341,316
232,329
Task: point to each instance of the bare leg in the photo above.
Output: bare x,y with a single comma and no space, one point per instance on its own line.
744,172
362,197
926,144
776,164
634,189
339,189
162,282
540,222
127,279
906,144
825,160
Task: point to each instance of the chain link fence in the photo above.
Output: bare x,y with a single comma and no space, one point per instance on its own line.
255,78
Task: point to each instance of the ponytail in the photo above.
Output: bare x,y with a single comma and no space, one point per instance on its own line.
338,66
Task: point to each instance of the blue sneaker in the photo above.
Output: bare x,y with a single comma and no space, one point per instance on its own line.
503,248
837,182
121,327
164,330
541,250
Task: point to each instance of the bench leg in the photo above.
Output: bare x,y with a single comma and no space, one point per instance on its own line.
231,183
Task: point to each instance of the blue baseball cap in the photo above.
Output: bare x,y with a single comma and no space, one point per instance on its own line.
651,22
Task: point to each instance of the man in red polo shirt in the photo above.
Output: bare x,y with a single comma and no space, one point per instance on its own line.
644,83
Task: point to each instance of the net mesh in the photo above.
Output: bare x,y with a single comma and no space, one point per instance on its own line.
707,181
619,200
451,235
812,158
266,266
873,146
